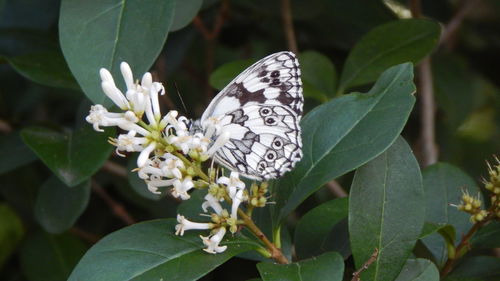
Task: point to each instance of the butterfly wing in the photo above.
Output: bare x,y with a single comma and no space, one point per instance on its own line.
261,109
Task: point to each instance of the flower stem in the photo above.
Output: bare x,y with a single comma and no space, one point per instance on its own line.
276,253
464,245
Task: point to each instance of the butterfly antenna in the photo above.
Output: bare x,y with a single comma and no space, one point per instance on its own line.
180,97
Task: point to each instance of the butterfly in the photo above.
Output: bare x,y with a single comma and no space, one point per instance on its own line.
261,109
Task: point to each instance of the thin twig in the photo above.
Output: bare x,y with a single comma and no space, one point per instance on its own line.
116,169
118,209
415,9
427,113
356,276
5,127
336,189
286,15
211,40
448,266
276,253
449,32
87,236
429,152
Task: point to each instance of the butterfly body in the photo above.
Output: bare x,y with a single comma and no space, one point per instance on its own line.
261,109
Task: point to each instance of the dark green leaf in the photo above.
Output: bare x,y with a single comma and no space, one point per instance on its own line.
387,45
47,68
11,232
430,228
328,266
443,184
14,153
227,72
455,88
151,251
345,133
185,11
46,257
58,206
418,270
487,237
72,156
318,75
192,208
313,229
476,268
386,211
96,34
15,42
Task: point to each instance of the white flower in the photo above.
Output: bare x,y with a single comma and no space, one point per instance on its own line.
171,166
236,201
129,142
233,183
99,116
181,188
182,142
111,91
178,124
212,242
185,224
213,203
151,167
212,126
155,181
199,142
144,155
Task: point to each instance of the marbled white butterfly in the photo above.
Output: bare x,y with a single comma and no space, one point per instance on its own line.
261,109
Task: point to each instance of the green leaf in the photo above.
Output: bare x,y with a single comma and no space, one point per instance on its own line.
227,72
328,266
318,75
46,257
430,228
313,231
58,206
387,45
456,88
418,270
386,211
151,251
11,232
72,156
19,41
487,237
185,11
96,34
46,68
443,184
476,268
345,133
14,153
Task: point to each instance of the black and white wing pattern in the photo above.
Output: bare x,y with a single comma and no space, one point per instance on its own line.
261,109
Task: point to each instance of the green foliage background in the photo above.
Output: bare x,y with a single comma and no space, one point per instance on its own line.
362,127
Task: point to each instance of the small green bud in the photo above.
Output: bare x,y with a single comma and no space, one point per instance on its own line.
190,171
203,157
254,202
193,154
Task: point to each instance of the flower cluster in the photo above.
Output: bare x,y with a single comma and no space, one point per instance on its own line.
171,154
472,205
